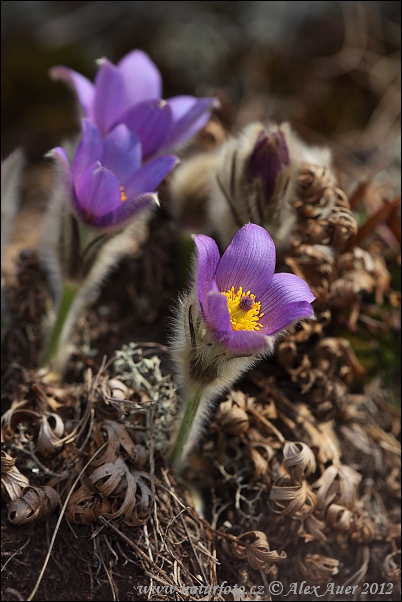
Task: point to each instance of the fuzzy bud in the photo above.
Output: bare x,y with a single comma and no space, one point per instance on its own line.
256,180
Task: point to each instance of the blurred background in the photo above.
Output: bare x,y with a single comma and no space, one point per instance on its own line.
330,68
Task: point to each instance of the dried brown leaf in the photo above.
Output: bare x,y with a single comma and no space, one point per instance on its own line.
393,531
332,348
12,481
339,484
364,529
313,529
340,518
391,568
85,507
317,569
254,546
298,459
233,420
35,503
49,437
315,264
117,437
17,415
288,497
393,482
372,223
132,498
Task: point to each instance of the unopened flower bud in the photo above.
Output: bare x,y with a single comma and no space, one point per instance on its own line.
256,178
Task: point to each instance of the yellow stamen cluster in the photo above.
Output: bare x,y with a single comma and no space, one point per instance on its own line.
123,196
244,310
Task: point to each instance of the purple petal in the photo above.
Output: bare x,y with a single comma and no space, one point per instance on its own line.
65,177
89,150
151,121
283,316
207,262
141,77
98,193
249,262
284,289
109,96
244,341
148,177
217,314
126,211
121,152
189,116
83,88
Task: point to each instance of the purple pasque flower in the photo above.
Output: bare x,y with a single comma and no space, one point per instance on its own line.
107,183
243,302
131,93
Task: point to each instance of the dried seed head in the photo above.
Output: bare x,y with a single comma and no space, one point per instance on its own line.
312,181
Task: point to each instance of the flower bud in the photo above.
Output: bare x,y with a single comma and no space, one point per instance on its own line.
255,180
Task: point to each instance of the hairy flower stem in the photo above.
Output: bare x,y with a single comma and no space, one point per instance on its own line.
180,444
58,334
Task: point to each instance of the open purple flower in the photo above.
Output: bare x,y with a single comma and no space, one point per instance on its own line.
107,183
242,301
131,93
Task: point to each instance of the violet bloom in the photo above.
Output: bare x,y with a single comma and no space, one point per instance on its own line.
107,183
242,301
131,93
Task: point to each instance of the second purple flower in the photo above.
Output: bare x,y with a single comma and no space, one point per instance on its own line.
107,183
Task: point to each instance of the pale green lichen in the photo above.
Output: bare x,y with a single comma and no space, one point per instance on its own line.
144,374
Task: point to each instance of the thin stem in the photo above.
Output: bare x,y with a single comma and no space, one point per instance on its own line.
182,438
69,293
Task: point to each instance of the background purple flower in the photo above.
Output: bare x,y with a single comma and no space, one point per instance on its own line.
107,183
130,92
242,300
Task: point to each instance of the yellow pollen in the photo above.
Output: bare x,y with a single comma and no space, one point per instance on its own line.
123,195
244,310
